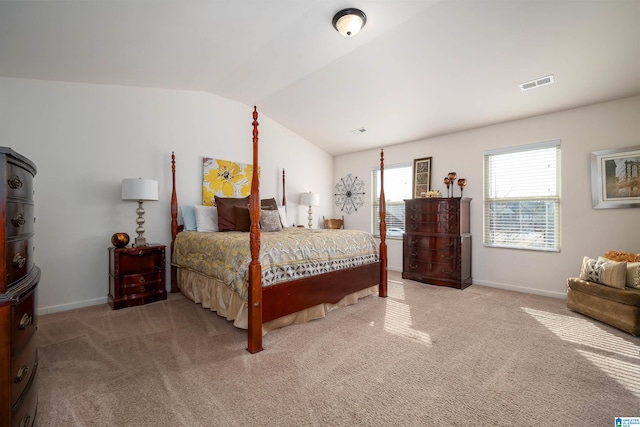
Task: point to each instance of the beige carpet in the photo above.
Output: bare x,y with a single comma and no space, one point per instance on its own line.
425,356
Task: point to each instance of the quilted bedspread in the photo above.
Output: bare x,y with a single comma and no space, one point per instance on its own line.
286,255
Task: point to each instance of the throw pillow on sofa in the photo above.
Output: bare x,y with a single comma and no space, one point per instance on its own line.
633,273
609,273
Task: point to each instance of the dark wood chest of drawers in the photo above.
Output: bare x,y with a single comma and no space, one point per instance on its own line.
136,276
19,279
437,242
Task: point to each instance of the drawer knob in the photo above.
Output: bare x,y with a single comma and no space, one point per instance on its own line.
22,373
413,266
19,260
25,421
14,182
18,220
142,289
25,321
415,253
141,280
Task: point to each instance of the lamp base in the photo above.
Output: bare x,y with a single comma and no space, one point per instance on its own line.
310,218
140,241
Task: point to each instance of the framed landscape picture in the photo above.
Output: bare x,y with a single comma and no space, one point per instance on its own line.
615,178
421,176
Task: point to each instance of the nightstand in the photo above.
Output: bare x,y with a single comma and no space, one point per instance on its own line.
136,276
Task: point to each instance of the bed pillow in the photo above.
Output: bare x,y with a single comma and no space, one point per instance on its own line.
610,273
206,218
242,219
633,273
188,214
226,215
282,210
269,204
270,220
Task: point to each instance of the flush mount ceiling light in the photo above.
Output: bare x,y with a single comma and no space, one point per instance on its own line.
349,22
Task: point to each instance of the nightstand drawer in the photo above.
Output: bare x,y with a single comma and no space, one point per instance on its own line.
140,283
23,323
23,366
136,276
140,261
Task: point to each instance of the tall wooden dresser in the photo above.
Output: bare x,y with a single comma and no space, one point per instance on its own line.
18,281
437,242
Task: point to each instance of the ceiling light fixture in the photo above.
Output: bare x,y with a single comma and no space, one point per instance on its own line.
349,22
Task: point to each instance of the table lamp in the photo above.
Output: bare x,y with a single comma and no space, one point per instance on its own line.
139,189
310,199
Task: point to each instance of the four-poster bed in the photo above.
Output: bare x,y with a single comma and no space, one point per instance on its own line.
336,283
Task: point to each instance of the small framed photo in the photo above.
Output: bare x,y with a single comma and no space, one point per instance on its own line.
421,176
615,178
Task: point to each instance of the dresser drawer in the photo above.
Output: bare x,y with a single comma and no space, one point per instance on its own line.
140,283
413,242
23,366
19,259
444,270
441,223
19,182
24,414
19,219
23,323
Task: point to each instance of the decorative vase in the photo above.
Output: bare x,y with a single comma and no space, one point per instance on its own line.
461,183
120,240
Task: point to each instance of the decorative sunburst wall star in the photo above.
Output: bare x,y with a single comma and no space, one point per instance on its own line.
349,195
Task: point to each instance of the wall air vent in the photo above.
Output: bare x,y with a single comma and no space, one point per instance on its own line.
542,81
358,131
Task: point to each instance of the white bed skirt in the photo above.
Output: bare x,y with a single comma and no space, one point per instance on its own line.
213,294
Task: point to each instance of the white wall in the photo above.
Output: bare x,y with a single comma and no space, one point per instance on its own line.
84,139
584,231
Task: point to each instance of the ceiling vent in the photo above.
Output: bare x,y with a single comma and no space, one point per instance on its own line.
358,131
542,81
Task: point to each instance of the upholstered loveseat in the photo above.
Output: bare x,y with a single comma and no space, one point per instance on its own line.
608,290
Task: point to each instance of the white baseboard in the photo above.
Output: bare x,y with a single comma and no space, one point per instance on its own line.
560,295
64,307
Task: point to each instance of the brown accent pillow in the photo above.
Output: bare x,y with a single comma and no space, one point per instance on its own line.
243,221
226,215
269,204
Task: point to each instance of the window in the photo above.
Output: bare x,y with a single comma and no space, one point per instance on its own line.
397,187
522,197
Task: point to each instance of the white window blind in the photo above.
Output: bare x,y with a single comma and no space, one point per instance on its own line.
397,187
522,197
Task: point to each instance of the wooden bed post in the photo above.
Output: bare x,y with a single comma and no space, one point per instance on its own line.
284,197
254,304
174,223
382,291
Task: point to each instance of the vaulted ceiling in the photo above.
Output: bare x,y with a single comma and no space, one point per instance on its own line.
419,68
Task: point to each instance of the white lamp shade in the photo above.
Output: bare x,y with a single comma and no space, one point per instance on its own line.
139,189
310,199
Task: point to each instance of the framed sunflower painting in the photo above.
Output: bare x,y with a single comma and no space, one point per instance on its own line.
224,178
